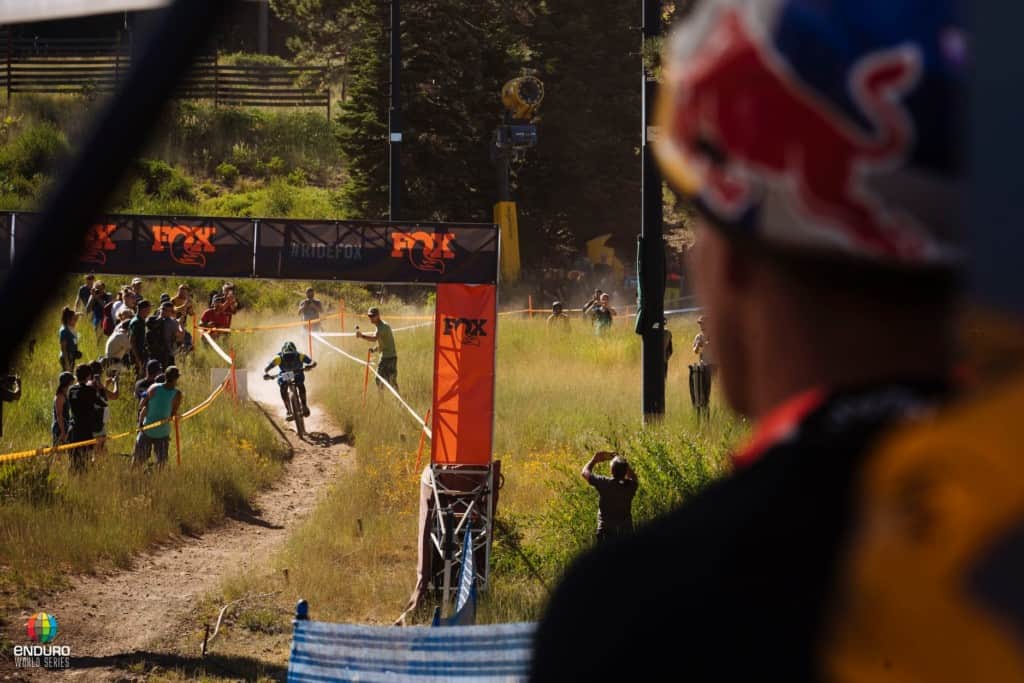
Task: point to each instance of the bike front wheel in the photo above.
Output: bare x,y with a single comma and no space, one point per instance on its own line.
296,402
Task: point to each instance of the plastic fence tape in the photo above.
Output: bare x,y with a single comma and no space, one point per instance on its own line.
383,381
192,412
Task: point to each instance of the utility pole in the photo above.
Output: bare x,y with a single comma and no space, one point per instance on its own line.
651,247
395,116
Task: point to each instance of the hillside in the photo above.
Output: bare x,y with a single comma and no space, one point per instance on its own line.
204,160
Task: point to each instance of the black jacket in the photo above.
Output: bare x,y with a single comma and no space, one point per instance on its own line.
733,586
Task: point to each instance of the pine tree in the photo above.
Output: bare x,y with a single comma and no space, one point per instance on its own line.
363,116
457,56
584,178
324,31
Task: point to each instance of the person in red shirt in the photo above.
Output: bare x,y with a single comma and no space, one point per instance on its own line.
216,318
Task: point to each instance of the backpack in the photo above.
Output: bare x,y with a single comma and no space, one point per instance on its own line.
108,318
155,336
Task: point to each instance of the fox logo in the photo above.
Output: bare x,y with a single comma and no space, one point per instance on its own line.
98,243
187,245
804,146
437,248
472,329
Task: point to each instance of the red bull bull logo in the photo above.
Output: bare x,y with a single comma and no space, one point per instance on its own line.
436,249
749,125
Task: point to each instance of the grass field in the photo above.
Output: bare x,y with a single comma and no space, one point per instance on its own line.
559,398
52,522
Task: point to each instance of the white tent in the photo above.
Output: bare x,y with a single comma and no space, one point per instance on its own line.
18,11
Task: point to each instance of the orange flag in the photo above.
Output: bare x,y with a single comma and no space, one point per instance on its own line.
463,409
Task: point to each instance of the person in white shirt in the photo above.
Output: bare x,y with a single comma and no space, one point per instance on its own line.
127,301
119,343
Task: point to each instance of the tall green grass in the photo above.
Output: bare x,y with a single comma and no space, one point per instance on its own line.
53,521
559,398
201,160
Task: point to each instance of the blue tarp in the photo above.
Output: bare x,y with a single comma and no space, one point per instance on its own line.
346,652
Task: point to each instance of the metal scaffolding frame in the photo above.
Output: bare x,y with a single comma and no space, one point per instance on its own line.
462,494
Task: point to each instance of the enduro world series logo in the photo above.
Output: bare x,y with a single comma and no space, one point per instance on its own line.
437,248
186,245
41,629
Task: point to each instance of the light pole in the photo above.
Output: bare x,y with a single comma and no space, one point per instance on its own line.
651,247
395,116
522,97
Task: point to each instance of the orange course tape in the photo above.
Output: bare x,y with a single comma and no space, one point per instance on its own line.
52,450
303,323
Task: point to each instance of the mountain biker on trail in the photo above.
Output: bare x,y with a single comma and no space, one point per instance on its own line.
290,360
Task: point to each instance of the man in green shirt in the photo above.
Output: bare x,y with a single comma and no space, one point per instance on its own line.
160,402
385,340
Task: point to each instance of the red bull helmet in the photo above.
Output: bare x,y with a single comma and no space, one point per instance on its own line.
824,126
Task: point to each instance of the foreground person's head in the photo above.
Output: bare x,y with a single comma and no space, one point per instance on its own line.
828,246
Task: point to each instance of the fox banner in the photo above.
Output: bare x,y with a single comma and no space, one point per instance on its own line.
357,251
378,252
159,245
463,409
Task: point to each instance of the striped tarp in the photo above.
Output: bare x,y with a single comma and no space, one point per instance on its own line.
344,652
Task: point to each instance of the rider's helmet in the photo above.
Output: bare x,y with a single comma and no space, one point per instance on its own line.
832,128
289,347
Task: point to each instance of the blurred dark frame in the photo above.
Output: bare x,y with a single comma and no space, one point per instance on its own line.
116,137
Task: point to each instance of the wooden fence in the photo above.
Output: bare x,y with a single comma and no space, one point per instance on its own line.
77,65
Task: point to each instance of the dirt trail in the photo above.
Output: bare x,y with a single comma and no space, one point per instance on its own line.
102,617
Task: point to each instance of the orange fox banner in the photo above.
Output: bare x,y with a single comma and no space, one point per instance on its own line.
355,251
463,409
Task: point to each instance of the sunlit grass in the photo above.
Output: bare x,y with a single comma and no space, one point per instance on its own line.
53,522
558,399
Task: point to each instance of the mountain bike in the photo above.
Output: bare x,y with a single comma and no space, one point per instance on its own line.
287,377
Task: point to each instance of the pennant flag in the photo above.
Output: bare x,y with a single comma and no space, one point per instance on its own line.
463,410
465,602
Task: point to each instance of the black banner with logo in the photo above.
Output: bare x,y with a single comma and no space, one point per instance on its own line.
377,252
358,251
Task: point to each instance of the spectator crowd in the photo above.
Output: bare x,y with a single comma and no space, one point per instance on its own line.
138,335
